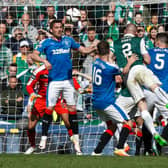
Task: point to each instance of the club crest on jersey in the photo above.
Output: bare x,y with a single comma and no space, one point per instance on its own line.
66,43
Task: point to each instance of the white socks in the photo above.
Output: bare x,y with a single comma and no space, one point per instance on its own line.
148,121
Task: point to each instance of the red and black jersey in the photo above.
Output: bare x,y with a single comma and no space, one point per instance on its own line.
40,76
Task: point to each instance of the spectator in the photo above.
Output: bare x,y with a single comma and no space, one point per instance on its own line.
138,19
29,31
41,22
12,71
160,28
3,30
84,21
51,12
152,34
141,34
12,99
5,58
50,16
42,34
21,60
13,42
154,22
110,28
10,23
3,11
68,30
87,65
83,24
120,10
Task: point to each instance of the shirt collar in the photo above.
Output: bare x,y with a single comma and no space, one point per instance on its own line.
128,34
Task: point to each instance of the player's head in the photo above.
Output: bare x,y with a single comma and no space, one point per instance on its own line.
140,31
162,40
56,28
138,18
25,19
50,12
13,81
12,69
24,46
103,48
154,18
91,34
131,29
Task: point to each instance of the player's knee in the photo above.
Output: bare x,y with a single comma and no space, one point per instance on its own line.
72,108
153,87
128,124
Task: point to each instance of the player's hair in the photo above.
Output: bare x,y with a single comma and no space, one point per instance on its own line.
162,37
13,64
12,76
103,48
53,22
91,28
131,28
50,6
108,12
3,22
138,13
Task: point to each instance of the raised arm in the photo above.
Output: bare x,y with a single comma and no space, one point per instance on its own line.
87,50
89,78
35,57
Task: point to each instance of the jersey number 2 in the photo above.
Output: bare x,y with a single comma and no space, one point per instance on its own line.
126,49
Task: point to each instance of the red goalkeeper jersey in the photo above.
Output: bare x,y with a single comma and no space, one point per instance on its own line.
40,76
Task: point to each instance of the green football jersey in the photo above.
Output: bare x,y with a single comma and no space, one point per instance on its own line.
126,46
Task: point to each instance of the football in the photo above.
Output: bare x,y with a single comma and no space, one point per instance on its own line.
73,15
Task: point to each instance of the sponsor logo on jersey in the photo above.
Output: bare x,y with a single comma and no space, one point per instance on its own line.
60,51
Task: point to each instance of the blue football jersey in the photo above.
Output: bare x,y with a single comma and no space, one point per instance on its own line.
103,80
159,65
58,53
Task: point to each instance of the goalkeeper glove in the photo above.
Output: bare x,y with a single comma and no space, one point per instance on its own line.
34,96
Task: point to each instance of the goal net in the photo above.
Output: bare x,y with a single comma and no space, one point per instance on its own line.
88,22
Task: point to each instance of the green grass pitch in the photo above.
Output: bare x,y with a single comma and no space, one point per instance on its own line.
72,161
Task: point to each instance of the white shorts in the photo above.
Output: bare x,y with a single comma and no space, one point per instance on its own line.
153,101
162,109
113,113
55,88
128,104
138,76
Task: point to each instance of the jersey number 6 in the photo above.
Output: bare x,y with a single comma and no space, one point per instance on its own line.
97,78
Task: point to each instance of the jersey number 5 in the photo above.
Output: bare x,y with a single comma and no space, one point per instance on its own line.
97,78
160,61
